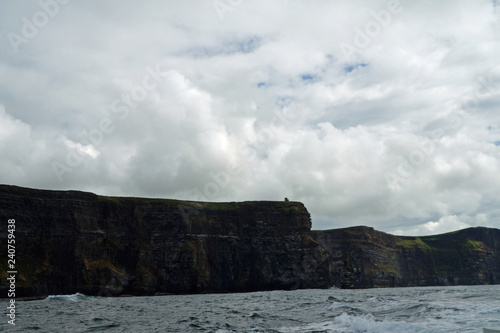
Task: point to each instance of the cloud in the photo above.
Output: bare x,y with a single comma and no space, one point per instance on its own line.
260,102
445,224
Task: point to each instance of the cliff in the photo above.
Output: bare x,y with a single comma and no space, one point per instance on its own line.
362,257
70,241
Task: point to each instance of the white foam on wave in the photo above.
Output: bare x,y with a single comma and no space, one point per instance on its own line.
73,297
346,323
253,330
370,325
335,306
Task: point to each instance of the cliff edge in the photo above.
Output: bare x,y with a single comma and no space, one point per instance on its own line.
70,241
362,257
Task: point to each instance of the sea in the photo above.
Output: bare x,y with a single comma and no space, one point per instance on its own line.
419,309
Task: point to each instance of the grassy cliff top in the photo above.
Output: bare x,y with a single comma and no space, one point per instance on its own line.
118,200
470,238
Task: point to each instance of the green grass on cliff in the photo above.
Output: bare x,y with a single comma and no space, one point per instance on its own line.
474,245
413,243
447,243
434,243
144,201
280,205
213,206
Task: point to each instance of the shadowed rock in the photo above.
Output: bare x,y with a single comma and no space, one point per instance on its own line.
362,257
70,241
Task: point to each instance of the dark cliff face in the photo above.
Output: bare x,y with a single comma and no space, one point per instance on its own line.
362,257
69,241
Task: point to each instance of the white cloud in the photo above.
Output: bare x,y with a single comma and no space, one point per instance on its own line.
444,224
261,105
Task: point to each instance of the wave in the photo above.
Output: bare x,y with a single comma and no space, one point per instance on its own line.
73,297
370,325
346,323
335,306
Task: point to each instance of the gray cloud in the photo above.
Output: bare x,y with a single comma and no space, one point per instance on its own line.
259,101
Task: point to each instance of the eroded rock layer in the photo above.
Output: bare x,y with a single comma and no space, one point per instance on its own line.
70,241
362,257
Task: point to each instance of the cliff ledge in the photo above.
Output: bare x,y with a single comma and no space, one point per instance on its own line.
70,241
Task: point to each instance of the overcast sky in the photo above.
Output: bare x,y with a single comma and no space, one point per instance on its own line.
378,113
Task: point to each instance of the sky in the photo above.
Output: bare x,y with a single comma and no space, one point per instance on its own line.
378,113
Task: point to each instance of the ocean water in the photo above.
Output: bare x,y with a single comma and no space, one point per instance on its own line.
422,309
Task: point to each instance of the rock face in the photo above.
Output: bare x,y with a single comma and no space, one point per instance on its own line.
362,257
69,241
